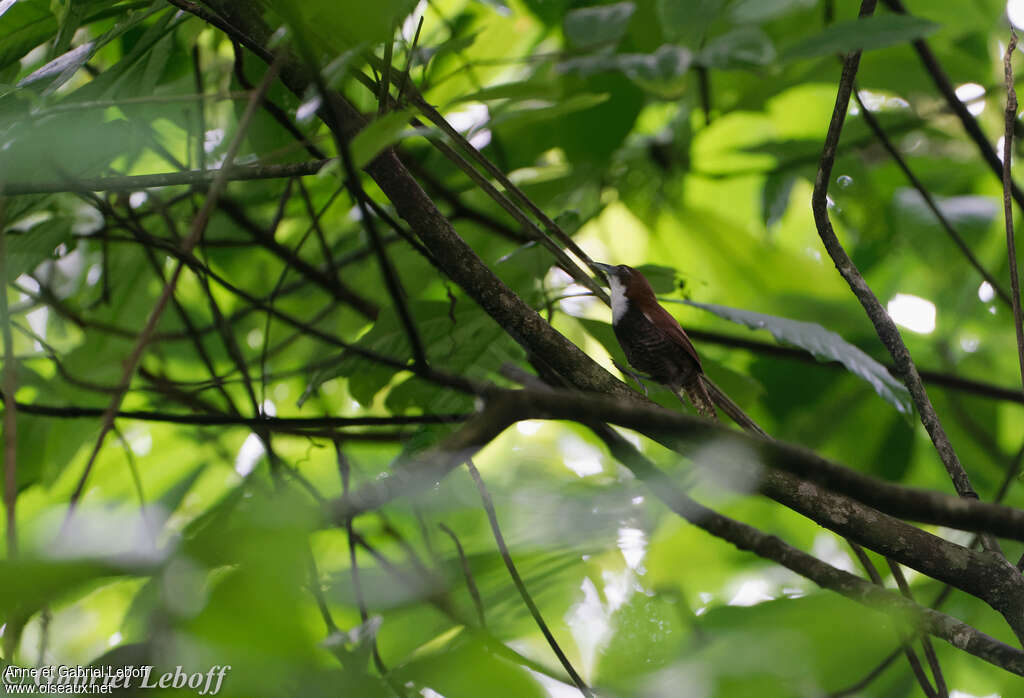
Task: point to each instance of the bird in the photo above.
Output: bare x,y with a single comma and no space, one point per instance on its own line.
654,342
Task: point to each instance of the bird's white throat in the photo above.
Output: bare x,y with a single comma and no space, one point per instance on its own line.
619,301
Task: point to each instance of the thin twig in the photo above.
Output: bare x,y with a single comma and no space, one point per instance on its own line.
905,646
492,517
929,650
217,419
198,226
130,183
1010,118
197,77
945,87
345,472
928,199
884,325
355,187
467,573
10,386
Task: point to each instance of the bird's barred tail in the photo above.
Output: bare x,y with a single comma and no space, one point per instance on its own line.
700,399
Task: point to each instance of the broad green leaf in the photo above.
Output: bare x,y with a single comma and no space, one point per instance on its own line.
879,31
666,65
351,22
27,249
541,111
378,135
895,453
661,71
460,668
823,344
775,196
740,48
63,67
462,340
649,634
764,10
590,26
28,584
24,26
688,19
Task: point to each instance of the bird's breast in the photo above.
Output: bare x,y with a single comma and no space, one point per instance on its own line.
651,350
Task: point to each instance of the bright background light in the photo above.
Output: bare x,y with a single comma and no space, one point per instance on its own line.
915,313
1015,11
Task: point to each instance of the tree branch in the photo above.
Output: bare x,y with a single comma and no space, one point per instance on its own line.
237,173
884,325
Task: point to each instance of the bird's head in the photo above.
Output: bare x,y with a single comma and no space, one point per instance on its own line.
627,286
626,280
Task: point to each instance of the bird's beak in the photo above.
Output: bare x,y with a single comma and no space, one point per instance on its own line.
606,268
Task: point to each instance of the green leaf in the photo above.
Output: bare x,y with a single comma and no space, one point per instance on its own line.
775,196
598,25
824,345
460,668
895,453
668,63
27,249
24,26
548,110
866,34
63,66
688,20
463,340
649,633
756,11
741,48
378,135
28,584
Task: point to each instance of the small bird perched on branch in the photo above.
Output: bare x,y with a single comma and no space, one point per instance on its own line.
653,340
656,344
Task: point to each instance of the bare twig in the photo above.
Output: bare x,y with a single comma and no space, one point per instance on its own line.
905,638
1010,118
10,385
345,471
492,517
884,325
945,87
355,187
928,199
933,661
237,173
467,573
198,226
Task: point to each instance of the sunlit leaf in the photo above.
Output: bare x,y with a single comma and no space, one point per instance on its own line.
378,135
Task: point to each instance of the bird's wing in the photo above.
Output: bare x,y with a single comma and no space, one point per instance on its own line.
664,321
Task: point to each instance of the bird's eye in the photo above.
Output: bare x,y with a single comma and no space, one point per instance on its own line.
623,268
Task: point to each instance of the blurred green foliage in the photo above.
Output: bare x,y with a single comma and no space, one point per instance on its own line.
678,134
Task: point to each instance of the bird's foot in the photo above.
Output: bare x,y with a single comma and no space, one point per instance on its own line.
633,375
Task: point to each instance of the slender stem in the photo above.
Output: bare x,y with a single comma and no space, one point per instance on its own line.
884,325
492,517
10,385
198,226
1010,118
